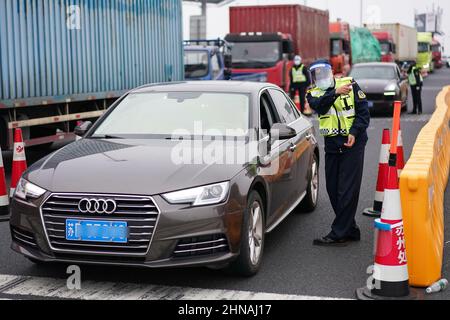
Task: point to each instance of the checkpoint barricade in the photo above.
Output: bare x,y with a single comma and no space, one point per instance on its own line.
422,186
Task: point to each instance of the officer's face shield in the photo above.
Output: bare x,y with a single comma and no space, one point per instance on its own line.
322,76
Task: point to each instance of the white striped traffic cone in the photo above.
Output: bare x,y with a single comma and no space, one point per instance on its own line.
19,160
383,168
391,279
4,200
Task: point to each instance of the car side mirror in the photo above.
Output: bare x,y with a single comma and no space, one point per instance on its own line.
81,129
227,61
281,131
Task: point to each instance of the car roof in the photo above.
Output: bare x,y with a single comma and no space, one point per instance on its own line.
206,86
376,64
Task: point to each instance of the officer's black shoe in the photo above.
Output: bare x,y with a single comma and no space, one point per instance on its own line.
412,113
355,236
328,242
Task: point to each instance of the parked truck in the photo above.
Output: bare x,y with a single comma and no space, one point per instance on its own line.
398,42
365,47
436,50
212,60
266,38
67,61
425,55
340,47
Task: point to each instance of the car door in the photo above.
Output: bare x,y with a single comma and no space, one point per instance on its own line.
300,146
276,161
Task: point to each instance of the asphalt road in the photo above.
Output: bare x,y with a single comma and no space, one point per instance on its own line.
292,265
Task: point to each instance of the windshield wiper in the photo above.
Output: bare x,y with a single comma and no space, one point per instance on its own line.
106,136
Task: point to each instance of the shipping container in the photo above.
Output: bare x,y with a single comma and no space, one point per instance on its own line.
67,60
307,26
404,37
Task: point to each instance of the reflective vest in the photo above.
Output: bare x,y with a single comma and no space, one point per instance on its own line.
412,77
339,119
297,75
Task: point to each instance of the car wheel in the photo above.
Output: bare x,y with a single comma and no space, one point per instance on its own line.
309,203
252,239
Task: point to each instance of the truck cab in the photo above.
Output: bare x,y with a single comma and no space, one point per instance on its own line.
425,55
204,62
387,45
256,52
340,47
436,50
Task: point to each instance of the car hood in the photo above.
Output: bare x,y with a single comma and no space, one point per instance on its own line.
142,167
374,85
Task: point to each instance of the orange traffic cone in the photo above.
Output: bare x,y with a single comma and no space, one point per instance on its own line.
383,168
400,154
297,102
307,109
4,200
19,160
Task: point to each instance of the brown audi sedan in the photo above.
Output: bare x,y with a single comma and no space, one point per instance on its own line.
177,174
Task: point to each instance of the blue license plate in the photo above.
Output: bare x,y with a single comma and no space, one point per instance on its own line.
370,104
98,231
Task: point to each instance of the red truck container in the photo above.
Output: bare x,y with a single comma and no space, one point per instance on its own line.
340,47
265,38
387,45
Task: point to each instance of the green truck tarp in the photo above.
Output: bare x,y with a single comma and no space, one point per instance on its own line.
365,47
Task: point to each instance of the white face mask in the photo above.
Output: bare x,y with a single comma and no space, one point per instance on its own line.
324,84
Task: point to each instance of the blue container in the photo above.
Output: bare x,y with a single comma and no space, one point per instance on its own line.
54,51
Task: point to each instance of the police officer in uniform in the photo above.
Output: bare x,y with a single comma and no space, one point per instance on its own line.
415,80
343,119
300,81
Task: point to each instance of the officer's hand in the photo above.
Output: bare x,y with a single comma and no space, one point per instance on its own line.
345,90
351,141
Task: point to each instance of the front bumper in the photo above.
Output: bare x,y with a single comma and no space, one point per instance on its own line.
195,229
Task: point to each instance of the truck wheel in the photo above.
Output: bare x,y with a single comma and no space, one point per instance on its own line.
309,203
252,239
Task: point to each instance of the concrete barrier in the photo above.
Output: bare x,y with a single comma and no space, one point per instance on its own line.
422,187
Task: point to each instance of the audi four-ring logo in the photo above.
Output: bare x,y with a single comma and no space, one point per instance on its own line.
101,206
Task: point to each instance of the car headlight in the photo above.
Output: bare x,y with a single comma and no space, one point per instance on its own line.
426,66
26,190
200,196
390,90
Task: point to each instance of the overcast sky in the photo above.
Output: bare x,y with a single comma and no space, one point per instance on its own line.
389,11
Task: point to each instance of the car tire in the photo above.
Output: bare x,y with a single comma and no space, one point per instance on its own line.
248,262
309,203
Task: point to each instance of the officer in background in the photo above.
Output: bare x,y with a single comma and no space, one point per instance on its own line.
343,120
416,82
300,81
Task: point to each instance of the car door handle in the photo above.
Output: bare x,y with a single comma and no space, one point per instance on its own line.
293,147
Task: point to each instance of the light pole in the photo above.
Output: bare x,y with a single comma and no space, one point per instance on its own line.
361,12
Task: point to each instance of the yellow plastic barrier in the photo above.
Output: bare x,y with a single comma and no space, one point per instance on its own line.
422,187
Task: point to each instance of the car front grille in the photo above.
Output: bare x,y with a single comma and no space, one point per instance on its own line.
23,237
375,96
140,213
199,246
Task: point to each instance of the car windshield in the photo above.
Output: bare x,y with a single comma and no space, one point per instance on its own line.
336,47
373,72
385,47
436,48
195,64
193,114
423,47
253,52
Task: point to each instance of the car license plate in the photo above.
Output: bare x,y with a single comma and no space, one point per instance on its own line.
370,104
94,230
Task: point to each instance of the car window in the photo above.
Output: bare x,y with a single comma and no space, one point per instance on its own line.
285,111
268,114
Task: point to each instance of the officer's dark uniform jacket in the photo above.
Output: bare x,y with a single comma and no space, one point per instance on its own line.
299,76
325,104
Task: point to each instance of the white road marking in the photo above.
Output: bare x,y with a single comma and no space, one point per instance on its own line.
6,279
92,290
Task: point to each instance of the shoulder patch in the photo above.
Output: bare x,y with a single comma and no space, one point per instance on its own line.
361,94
